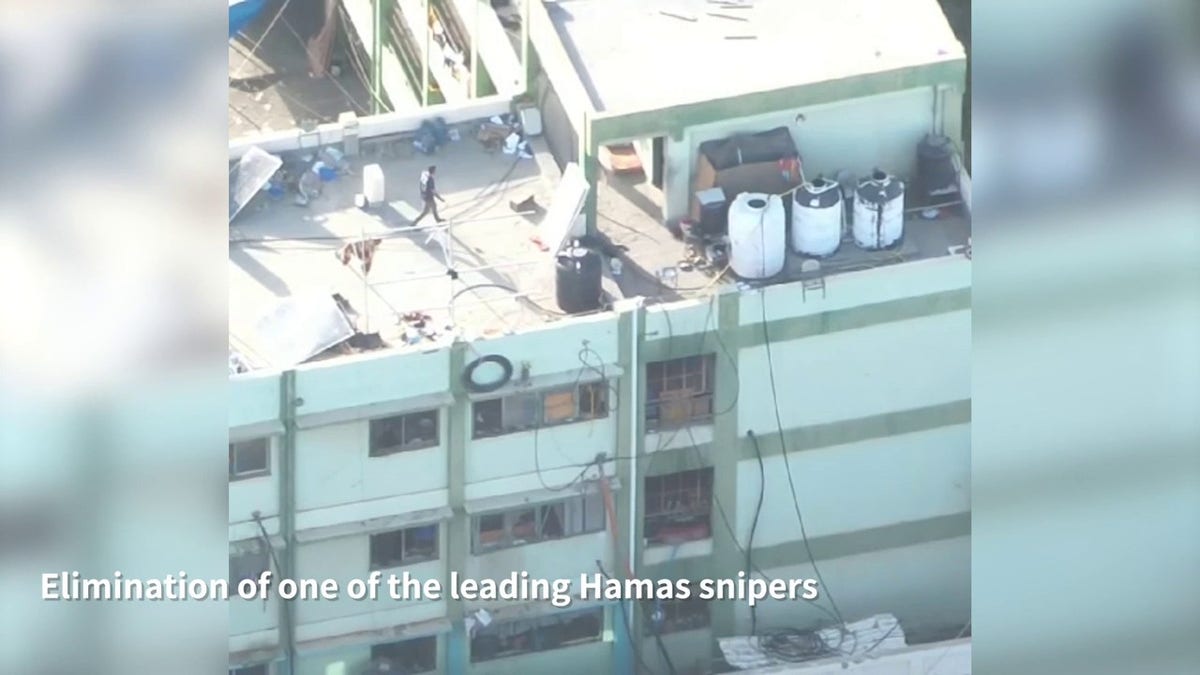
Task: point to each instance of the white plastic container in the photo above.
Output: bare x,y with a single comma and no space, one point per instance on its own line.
373,188
817,218
757,235
878,211
531,121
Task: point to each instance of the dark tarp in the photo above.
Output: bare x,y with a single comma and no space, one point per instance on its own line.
768,146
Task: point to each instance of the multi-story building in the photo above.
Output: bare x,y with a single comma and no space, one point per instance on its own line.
691,427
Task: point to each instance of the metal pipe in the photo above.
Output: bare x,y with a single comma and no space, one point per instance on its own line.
425,60
475,54
634,410
526,85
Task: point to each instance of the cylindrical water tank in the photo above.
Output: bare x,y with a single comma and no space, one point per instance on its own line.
373,189
757,235
577,280
936,176
817,218
878,211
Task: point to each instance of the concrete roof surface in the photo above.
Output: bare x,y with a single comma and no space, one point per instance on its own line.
631,57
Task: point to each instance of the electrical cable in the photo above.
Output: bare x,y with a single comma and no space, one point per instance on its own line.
629,633
287,605
762,489
787,462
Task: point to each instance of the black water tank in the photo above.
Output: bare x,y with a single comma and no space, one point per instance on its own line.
577,280
936,176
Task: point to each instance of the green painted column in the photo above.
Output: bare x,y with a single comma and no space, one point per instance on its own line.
725,455
288,402
630,331
589,161
455,648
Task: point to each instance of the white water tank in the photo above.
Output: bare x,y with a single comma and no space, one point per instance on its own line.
757,235
372,177
878,211
817,218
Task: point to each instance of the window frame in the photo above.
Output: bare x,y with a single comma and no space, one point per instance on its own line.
378,647
658,500
244,670
234,475
675,376
404,419
596,393
541,511
674,619
537,632
404,561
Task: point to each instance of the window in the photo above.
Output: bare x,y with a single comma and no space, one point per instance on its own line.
523,636
679,391
678,507
418,655
532,524
260,669
248,565
249,458
404,432
404,547
677,615
525,411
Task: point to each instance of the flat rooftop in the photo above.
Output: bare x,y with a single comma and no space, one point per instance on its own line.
505,282
634,55
269,84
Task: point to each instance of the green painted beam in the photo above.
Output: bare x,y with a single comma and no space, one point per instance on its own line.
726,550
857,430
811,437
827,547
617,127
862,316
288,402
793,328
454,650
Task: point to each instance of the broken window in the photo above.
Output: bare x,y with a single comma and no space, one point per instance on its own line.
675,616
532,524
249,458
398,433
404,547
679,391
523,636
678,507
418,655
249,564
525,411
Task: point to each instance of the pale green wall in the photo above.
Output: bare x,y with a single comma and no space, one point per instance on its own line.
333,467
371,378
857,373
927,586
253,399
846,488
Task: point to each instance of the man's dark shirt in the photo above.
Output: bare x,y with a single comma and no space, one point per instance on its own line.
428,189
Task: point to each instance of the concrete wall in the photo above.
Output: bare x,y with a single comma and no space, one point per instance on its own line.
857,134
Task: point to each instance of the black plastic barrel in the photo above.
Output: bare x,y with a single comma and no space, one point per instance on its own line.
577,280
935,170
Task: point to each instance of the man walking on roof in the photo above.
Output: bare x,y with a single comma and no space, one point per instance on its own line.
429,193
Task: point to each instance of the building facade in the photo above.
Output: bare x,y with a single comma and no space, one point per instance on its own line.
389,462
